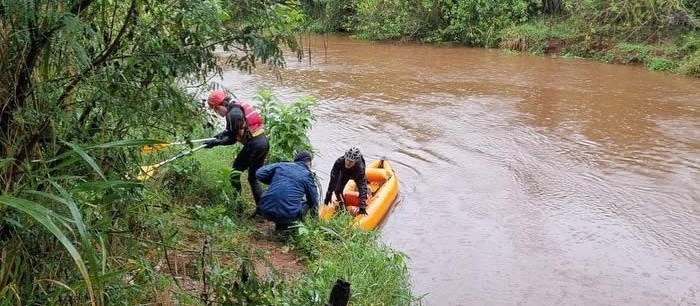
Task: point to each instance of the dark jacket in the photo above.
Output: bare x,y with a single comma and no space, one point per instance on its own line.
235,120
340,176
291,186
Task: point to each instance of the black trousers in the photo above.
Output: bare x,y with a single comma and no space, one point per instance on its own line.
283,225
251,158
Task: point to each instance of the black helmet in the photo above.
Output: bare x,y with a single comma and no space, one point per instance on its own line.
303,156
353,154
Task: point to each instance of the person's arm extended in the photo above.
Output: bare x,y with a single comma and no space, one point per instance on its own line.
224,138
361,181
335,176
228,136
311,193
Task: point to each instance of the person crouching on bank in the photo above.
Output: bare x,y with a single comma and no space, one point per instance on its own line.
291,192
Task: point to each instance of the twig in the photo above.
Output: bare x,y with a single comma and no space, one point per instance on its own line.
167,260
206,251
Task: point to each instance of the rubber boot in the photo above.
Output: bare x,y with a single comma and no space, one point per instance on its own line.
340,294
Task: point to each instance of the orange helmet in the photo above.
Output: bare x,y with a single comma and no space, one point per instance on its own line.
216,97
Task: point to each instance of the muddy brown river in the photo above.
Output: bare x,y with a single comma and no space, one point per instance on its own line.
524,180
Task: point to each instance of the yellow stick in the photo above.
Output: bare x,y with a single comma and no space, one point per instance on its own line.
148,149
148,171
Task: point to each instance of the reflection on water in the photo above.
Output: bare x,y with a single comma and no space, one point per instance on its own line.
524,180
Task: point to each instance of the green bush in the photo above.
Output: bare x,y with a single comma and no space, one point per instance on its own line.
381,19
330,15
286,125
636,20
537,37
691,65
479,23
660,64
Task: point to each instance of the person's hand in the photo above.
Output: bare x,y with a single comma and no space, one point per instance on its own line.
362,211
210,144
220,135
327,200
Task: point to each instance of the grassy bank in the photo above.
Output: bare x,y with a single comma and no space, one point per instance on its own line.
678,52
179,238
244,262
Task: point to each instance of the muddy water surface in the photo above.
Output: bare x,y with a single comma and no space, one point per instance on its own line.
524,180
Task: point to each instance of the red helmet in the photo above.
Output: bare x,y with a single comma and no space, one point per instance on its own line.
216,97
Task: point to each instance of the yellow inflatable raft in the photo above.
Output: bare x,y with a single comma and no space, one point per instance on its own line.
383,188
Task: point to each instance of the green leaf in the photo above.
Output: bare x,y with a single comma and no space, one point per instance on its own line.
87,158
126,143
43,215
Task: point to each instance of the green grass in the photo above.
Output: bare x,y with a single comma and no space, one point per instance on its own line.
336,249
537,37
570,38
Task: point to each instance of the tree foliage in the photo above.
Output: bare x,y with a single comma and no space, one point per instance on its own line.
480,23
82,79
96,71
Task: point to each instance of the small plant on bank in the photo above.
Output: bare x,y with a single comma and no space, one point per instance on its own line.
286,125
691,66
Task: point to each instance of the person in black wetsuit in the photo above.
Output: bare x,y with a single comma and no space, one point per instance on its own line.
245,125
349,166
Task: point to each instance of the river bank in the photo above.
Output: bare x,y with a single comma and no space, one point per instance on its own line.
661,36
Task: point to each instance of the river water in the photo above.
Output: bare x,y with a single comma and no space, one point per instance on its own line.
524,180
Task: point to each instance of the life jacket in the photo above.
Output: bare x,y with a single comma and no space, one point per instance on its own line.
254,121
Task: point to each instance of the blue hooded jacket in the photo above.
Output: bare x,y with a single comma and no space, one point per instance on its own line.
291,184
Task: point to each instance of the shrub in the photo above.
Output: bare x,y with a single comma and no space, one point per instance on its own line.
479,22
286,125
691,66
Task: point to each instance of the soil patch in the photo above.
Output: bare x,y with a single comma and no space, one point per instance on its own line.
276,253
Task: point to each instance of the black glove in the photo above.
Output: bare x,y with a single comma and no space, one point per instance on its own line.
327,200
220,135
362,211
211,143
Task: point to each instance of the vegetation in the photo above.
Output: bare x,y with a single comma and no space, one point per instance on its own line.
661,35
378,275
294,120
88,82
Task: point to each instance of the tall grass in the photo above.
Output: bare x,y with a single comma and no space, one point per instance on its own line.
55,207
336,249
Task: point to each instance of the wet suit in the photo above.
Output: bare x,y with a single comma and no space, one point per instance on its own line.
341,175
252,155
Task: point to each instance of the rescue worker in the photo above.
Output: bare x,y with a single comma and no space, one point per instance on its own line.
349,166
245,125
291,192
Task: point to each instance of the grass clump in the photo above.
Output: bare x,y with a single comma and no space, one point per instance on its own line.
539,37
337,249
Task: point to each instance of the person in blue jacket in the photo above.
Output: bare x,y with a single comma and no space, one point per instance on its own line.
291,192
